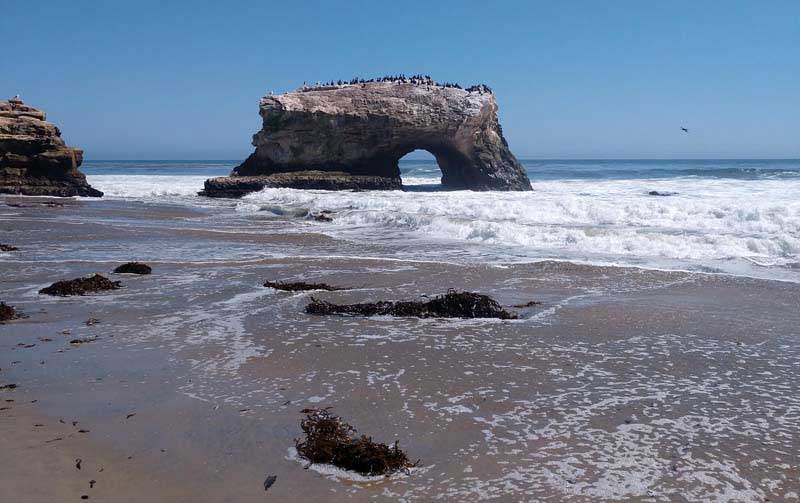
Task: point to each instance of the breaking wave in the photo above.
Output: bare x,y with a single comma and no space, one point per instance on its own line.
741,217
147,186
705,221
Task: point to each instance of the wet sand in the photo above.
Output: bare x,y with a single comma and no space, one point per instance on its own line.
623,385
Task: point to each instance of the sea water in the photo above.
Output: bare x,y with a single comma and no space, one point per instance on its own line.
737,217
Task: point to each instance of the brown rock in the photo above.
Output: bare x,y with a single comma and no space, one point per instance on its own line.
300,286
238,186
134,268
7,312
451,305
34,160
81,286
336,134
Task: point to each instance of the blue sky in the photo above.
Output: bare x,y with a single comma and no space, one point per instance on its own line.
574,79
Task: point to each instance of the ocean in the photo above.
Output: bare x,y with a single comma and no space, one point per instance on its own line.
739,217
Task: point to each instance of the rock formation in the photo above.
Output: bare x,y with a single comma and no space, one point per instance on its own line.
34,160
351,136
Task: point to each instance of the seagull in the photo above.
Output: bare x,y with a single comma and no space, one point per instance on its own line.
684,130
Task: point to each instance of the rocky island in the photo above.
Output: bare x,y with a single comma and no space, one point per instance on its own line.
34,160
350,136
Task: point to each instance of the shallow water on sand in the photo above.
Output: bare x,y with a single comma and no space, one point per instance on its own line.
625,384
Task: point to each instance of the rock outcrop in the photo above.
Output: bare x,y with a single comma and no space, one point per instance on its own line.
353,135
34,160
237,186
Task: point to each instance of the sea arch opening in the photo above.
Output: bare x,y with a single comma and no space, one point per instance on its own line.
420,171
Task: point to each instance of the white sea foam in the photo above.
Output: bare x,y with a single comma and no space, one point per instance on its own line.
729,225
420,180
147,186
708,220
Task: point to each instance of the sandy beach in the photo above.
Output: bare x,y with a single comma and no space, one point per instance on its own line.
507,252
624,384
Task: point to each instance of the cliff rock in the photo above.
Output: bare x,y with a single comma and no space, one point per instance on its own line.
34,160
360,131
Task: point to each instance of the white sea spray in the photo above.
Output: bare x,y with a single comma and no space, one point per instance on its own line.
742,225
706,222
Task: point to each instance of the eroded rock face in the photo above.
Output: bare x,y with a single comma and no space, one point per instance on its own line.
238,186
34,160
362,130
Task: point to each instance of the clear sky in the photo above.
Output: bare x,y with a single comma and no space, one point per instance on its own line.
574,79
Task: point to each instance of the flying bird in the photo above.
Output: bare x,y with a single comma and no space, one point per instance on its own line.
684,130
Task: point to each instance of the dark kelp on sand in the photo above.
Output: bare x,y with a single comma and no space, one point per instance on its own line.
300,286
133,268
8,313
83,340
323,216
528,304
329,440
451,305
36,204
81,286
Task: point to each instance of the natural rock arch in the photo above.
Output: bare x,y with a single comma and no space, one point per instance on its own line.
352,136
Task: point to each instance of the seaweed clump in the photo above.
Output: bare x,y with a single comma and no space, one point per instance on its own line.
81,286
330,440
300,286
7,312
133,268
322,216
451,305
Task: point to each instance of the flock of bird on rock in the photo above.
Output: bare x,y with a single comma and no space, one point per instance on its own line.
420,80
